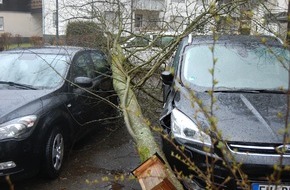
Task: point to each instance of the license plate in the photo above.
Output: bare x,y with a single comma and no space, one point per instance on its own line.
256,186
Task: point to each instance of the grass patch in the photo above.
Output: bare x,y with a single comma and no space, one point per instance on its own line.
13,46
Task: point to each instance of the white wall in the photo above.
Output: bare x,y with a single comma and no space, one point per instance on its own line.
25,24
259,24
74,10
188,9
283,4
69,10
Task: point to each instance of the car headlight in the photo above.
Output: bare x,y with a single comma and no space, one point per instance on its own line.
17,128
186,131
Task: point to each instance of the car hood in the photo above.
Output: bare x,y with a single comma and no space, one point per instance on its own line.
242,117
11,100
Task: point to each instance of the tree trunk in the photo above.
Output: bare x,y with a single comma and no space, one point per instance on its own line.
136,123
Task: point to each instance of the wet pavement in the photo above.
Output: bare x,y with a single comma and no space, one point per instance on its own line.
102,160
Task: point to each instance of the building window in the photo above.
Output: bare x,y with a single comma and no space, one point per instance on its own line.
176,22
1,1
54,19
110,16
153,21
1,23
138,20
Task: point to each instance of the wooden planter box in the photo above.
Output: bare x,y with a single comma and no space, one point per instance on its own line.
152,175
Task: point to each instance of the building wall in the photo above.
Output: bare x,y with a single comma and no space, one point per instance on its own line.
277,5
173,17
69,10
153,12
267,21
25,24
179,12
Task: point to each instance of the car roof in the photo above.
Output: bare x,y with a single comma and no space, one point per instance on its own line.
57,50
235,39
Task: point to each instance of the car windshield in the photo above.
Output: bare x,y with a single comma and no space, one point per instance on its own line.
35,70
237,66
138,41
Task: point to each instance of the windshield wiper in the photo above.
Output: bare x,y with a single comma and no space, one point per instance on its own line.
247,90
272,91
23,86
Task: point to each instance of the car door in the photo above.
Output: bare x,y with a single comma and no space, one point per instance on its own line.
93,101
103,85
81,109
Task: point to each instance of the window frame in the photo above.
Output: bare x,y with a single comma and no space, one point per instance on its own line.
176,22
104,63
138,20
54,20
2,20
88,65
110,17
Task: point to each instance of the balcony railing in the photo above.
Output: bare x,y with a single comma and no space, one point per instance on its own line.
151,5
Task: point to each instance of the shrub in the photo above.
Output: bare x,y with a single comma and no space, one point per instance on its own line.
6,40
86,34
36,40
18,39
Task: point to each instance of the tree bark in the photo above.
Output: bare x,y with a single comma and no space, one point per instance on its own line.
136,123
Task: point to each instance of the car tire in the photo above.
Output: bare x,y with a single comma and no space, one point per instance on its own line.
54,153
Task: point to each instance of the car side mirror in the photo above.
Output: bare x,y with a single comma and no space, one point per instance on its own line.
84,82
167,77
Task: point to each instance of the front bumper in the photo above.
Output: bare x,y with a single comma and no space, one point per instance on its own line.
255,168
23,154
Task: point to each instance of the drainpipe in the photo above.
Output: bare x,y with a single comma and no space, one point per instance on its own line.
131,16
56,22
43,18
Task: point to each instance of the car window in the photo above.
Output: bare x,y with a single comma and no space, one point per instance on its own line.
163,41
100,62
138,41
83,65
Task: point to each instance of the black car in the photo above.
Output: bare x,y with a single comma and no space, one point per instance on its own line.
50,96
225,107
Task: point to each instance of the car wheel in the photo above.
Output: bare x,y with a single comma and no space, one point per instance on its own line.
54,153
